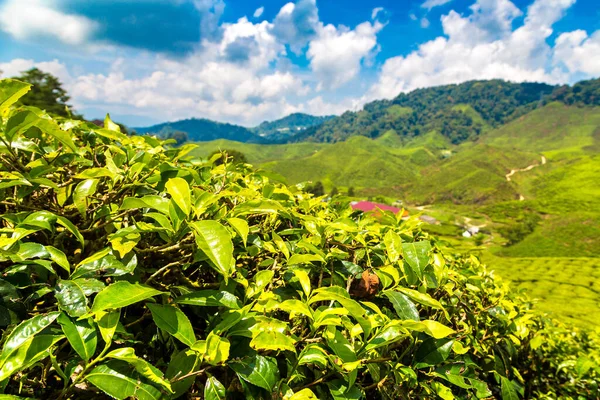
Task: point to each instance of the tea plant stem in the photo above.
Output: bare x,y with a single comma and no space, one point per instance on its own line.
196,373
137,321
376,360
80,377
163,249
321,379
160,270
102,225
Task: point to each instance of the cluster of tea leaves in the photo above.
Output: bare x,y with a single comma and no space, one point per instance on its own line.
131,270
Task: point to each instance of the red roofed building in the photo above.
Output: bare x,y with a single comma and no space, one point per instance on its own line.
368,206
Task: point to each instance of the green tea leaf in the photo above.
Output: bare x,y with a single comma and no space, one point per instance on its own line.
304,259
143,367
430,327
433,351
508,390
122,294
273,340
71,228
214,350
51,128
107,324
391,333
417,256
81,335
341,390
11,90
32,350
340,345
421,298
180,192
59,258
119,383
108,124
172,320
258,207
25,331
40,219
313,354
71,298
213,389
124,240
341,296
442,391
304,394
258,370
215,241
82,191
210,298
261,280
294,306
241,227
393,245
304,280
181,364
405,308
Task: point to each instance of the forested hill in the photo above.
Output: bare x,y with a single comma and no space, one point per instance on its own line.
289,125
202,130
458,112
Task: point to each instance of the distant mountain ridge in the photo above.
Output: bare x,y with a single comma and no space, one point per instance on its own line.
459,112
203,130
290,125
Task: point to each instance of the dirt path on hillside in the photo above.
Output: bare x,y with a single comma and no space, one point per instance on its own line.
528,168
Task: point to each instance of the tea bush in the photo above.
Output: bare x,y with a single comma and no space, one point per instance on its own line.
130,270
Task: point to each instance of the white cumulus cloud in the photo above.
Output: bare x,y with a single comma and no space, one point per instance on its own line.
483,45
17,66
259,11
579,52
429,4
336,54
26,19
216,82
297,23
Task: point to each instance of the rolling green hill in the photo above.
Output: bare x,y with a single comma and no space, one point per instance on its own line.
258,154
201,130
350,163
553,129
429,168
288,126
204,130
474,174
459,112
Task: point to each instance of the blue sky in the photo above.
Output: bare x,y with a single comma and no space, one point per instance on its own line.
245,61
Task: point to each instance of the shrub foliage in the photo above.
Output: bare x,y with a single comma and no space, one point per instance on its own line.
132,271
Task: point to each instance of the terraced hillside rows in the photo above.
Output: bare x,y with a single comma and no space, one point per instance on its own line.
562,286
